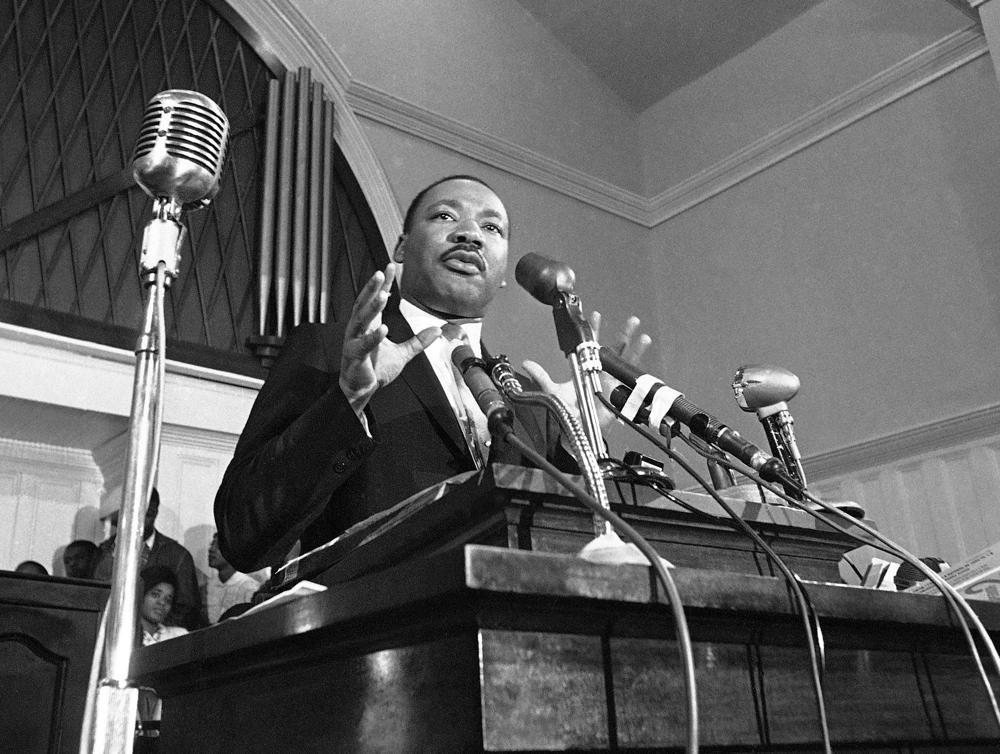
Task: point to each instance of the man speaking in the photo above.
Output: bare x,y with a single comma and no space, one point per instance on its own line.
357,416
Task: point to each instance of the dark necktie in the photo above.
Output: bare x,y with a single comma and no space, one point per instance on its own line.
470,416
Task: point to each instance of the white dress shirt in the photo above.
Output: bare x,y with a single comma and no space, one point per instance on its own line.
467,411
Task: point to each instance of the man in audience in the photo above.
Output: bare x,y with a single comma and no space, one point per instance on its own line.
226,587
160,550
80,559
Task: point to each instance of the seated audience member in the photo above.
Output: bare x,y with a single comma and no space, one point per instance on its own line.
158,587
31,567
80,559
226,587
160,550
159,584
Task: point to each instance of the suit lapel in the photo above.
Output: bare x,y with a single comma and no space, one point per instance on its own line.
420,378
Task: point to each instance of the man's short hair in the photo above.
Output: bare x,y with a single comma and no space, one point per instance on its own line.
83,544
31,566
411,211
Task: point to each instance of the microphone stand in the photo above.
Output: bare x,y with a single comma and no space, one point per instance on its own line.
607,546
576,340
117,695
778,426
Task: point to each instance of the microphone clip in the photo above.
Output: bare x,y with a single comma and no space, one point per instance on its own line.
464,365
162,240
572,328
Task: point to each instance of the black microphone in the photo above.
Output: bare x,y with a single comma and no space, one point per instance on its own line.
499,417
544,278
181,148
663,402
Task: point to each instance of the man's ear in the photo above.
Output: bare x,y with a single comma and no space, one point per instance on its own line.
400,251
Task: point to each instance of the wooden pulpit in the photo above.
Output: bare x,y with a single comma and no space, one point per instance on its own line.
448,646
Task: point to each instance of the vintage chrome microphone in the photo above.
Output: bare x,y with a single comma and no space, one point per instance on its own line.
767,390
178,161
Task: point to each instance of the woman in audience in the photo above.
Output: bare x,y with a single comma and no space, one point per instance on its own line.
158,587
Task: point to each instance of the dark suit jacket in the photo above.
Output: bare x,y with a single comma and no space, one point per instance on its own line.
304,468
168,552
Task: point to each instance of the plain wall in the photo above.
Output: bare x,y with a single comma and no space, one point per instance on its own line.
865,264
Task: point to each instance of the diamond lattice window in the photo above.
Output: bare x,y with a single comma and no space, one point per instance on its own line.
77,75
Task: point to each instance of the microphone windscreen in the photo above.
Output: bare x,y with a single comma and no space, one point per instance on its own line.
544,278
758,386
181,147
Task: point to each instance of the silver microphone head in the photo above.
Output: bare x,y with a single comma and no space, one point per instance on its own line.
181,148
759,387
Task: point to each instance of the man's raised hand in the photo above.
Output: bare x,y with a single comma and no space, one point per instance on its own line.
626,345
369,360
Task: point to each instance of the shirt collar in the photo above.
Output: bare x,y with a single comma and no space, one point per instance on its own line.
419,320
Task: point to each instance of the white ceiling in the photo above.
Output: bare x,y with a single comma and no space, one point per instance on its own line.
646,49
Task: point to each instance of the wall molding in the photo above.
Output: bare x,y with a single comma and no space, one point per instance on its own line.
21,455
381,107
91,377
894,83
928,438
905,77
190,438
293,38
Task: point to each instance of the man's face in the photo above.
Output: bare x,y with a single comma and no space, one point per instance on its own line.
215,559
78,563
148,522
455,254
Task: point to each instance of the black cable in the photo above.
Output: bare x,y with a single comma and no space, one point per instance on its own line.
674,598
810,620
959,606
